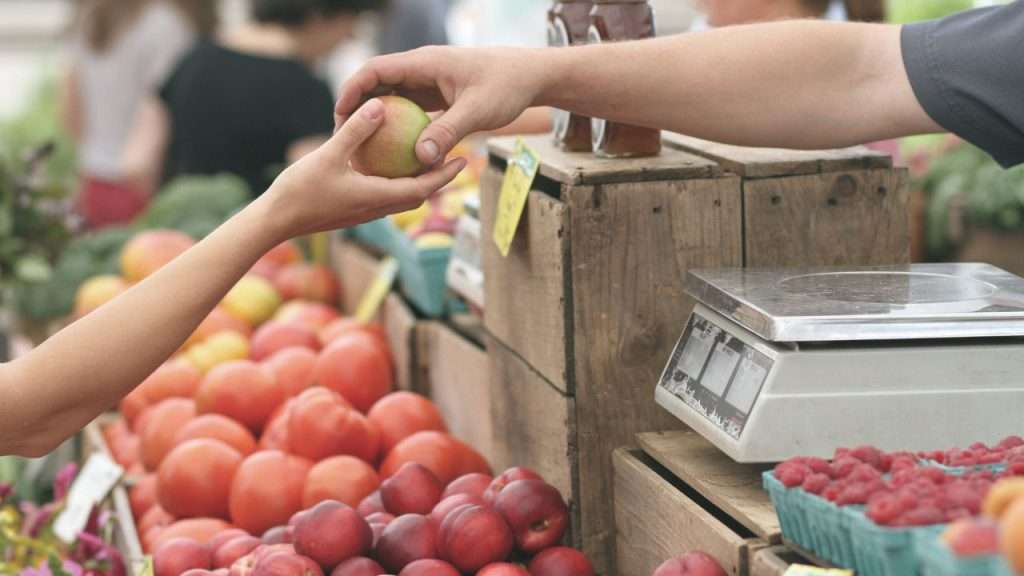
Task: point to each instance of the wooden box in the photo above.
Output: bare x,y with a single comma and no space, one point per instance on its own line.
356,268
679,494
589,302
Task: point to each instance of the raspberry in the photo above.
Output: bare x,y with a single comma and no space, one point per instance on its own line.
854,493
991,458
818,465
791,475
816,483
1010,442
884,510
831,492
923,515
842,467
865,473
840,453
902,463
953,514
868,455
934,474
904,477
1015,469
978,446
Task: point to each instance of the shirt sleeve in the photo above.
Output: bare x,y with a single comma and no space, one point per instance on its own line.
967,70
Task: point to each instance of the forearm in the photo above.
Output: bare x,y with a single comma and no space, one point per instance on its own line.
53,391
799,84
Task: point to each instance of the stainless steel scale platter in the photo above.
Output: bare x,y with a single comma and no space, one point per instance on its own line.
776,363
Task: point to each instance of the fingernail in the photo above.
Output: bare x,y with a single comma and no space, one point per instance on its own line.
430,151
373,109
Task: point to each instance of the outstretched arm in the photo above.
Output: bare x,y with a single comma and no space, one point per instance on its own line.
53,391
799,84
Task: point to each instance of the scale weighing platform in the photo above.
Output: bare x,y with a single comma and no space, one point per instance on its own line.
780,363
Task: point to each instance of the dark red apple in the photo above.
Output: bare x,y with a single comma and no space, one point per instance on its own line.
245,565
279,535
690,564
506,478
378,529
180,555
475,484
476,537
286,564
536,513
380,518
331,533
405,540
429,568
358,567
561,561
503,569
371,504
451,503
224,537
229,552
414,489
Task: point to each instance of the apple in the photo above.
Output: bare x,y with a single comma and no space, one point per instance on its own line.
360,566
391,151
279,535
536,512
414,489
180,555
505,478
405,540
475,484
331,533
561,561
475,537
278,335
429,567
224,537
444,507
286,564
503,569
229,552
371,504
690,564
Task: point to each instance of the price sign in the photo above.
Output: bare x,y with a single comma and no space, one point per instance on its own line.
94,482
515,189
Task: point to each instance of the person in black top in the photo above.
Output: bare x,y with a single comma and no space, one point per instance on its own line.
249,102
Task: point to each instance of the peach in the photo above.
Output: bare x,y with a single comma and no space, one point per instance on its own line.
536,513
475,537
506,477
179,555
402,414
429,567
405,540
445,507
355,366
313,315
380,518
505,569
217,321
307,282
241,390
346,479
224,537
167,418
391,151
174,379
360,566
275,336
218,427
149,251
331,533
194,479
252,299
473,484
286,564
561,561
690,564
293,369
328,426
96,292
412,490
229,552
1011,537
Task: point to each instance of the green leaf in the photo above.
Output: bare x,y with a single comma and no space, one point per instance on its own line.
32,269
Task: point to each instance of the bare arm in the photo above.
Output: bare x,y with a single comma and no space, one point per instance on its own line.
143,156
50,393
801,84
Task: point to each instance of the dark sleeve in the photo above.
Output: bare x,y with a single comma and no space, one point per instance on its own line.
967,70
310,111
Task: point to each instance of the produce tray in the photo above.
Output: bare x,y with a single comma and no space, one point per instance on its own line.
961,470
376,234
843,535
937,559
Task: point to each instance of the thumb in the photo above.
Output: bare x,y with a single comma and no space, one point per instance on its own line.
357,128
438,139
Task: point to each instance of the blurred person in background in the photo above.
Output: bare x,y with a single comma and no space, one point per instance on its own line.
410,24
249,102
719,13
122,50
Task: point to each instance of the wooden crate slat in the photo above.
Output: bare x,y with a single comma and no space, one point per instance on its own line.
773,561
631,247
733,487
356,269
400,329
656,521
525,292
839,218
585,168
769,162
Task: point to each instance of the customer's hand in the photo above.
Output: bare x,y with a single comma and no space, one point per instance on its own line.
477,88
323,192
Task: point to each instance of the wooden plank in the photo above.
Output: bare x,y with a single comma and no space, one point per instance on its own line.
773,561
632,245
458,376
399,323
655,521
735,488
532,421
840,218
586,168
768,162
526,292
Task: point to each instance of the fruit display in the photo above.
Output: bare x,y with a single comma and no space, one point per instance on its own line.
890,512
690,564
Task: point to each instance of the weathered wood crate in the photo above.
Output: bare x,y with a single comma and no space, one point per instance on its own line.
356,269
585,310
678,494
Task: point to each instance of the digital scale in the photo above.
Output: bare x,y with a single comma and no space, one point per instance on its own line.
780,363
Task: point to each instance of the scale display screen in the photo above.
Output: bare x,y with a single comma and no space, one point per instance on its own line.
716,374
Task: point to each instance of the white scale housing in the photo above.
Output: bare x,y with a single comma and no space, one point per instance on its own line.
780,363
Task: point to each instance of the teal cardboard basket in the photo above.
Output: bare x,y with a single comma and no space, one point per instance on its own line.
937,559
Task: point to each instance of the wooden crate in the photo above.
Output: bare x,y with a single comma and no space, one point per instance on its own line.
590,299
457,379
677,494
774,561
356,268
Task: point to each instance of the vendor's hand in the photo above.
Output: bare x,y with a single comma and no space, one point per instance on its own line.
478,89
323,192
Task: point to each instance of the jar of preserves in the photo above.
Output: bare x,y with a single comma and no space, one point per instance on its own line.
569,25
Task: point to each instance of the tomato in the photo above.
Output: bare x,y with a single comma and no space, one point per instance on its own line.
194,480
401,414
164,421
436,450
328,426
221,428
293,368
346,479
267,490
241,390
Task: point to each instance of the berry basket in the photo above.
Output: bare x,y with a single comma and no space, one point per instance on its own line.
937,559
961,470
376,234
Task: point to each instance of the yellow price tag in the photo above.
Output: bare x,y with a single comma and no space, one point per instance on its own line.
147,567
522,169
802,570
378,290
